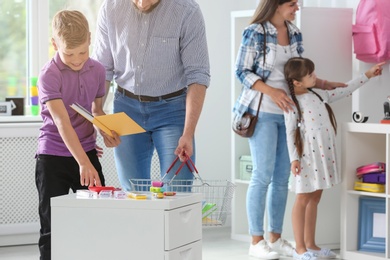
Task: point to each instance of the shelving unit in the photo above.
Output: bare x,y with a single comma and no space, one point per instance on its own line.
239,20
362,144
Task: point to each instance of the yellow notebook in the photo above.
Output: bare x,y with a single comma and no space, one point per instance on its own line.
121,123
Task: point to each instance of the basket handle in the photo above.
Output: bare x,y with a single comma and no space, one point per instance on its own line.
191,165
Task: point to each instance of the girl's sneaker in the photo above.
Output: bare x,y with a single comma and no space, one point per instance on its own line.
305,256
324,253
262,251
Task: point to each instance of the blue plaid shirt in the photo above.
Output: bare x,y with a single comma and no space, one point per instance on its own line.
250,58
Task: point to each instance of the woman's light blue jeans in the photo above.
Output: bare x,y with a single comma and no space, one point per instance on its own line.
268,187
164,122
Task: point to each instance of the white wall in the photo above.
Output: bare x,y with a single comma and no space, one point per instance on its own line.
213,132
214,129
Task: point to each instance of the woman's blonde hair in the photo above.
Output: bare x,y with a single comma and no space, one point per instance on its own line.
266,9
71,27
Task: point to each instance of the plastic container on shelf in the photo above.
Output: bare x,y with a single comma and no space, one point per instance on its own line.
246,167
34,96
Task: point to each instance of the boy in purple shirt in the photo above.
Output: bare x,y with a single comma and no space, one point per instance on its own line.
67,157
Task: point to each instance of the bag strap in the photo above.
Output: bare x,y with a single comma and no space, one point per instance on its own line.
264,49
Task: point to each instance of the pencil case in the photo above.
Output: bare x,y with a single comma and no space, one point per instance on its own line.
102,188
370,168
370,187
379,178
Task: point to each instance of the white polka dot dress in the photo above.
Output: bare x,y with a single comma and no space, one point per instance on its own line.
319,159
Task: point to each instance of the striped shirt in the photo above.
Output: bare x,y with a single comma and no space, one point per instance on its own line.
249,65
153,53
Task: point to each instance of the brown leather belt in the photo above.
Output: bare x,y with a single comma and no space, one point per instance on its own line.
148,98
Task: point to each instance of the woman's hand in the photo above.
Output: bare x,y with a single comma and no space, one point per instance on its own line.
282,100
329,85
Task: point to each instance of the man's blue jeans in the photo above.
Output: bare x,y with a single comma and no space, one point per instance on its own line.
164,123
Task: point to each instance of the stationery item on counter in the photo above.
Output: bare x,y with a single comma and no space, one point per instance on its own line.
158,195
169,193
105,194
370,187
121,123
119,194
157,189
86,194
101,188
137,195
157,183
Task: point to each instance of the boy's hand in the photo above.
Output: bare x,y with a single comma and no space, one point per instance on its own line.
89,176
99,151
375,70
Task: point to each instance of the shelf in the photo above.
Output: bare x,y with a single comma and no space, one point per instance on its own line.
239,181
358,255
364,193
367,128
362,144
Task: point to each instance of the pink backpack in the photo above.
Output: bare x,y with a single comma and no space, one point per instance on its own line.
371,33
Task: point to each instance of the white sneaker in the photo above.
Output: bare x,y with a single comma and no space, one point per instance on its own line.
262,251
282,247
305,256
324,253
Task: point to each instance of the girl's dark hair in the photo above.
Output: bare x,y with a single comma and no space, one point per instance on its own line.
295,69
265,10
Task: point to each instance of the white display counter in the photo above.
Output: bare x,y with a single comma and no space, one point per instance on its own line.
158,229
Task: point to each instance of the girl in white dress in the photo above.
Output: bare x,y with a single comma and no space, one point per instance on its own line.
311,139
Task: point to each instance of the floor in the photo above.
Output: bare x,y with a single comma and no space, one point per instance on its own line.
217,245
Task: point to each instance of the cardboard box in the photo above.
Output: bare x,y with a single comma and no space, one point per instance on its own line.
246,167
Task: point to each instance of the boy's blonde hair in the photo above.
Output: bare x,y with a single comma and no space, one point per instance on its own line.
71,27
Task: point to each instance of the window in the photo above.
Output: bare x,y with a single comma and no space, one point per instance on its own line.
13,48
25,43
89,8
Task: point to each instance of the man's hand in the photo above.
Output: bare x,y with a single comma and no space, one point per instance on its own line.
111,141
184,148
